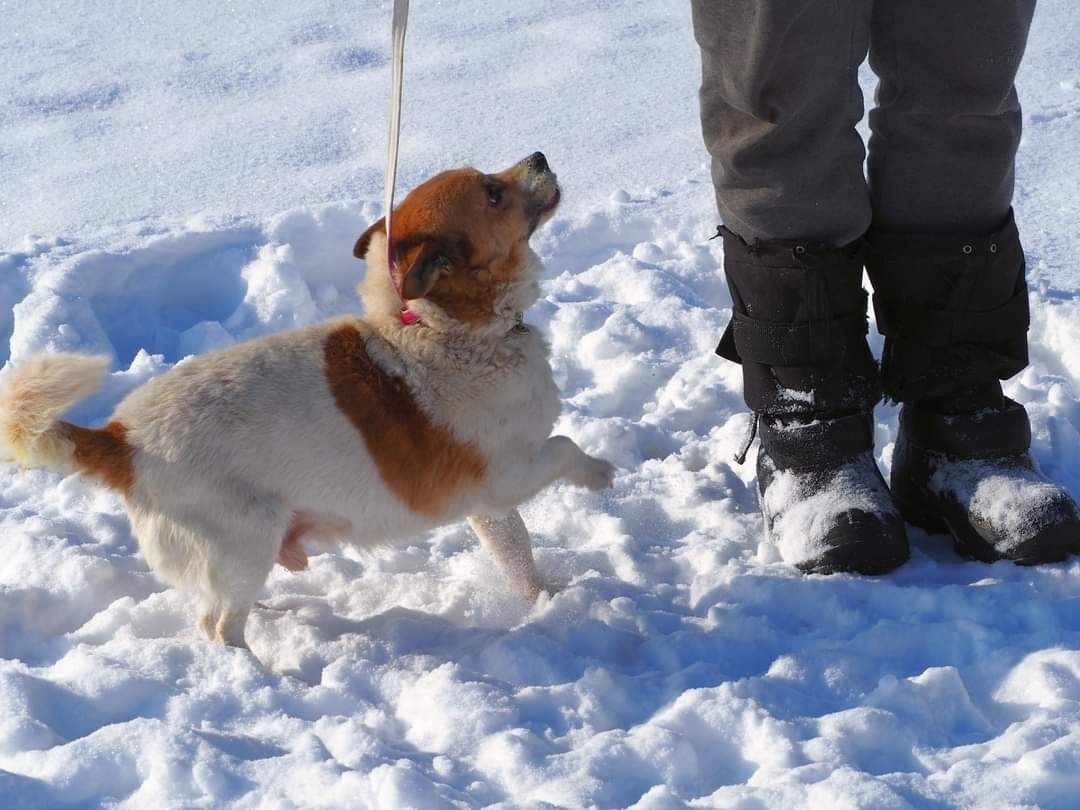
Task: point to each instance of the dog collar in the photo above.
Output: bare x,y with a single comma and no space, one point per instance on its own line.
407,316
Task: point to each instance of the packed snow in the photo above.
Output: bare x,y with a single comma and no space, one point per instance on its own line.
180,177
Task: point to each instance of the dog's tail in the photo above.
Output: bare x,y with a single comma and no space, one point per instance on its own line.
32,398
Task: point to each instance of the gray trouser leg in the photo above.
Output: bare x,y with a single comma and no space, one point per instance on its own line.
779,102
944,254
947,122
780,99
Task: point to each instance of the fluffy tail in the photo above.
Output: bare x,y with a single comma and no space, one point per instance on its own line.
32,398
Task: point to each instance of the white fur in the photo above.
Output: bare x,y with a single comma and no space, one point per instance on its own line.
230,445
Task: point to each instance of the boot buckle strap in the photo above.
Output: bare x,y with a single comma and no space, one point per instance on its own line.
820,444
984,434
804,343
939,327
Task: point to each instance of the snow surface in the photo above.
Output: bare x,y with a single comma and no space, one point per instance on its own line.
181,176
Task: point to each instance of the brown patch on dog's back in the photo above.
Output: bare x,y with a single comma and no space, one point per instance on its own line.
421,462
104,453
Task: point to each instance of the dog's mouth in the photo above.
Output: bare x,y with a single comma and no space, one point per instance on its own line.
540,185
542,211
553,203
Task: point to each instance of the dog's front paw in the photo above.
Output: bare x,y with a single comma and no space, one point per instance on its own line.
543,592
593,473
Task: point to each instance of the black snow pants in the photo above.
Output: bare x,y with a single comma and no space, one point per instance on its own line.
930,219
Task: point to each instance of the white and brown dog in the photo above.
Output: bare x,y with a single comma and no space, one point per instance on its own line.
369,429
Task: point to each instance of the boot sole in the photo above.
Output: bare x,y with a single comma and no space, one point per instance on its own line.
860,556
870,565
1053,546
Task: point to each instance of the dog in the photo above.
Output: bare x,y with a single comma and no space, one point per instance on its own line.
369,429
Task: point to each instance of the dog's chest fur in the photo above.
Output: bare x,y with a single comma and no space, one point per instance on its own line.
496,393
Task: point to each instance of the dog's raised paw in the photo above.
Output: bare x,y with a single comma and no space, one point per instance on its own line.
594,473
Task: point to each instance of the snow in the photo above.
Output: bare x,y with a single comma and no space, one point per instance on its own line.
181,179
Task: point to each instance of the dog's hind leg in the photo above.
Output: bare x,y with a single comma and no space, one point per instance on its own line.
507,540
208,619
237,571
229,587
231,624
221,556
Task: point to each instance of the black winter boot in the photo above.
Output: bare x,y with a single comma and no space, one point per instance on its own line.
954,310
799,330
971,475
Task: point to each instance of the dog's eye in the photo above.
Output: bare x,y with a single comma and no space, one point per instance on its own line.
494,196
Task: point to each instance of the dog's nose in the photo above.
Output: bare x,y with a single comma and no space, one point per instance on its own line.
537,162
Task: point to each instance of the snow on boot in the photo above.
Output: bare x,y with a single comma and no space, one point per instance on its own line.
971,475
825,503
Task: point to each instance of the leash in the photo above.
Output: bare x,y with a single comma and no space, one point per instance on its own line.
397,70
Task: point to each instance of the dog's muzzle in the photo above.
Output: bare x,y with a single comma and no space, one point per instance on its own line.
540,184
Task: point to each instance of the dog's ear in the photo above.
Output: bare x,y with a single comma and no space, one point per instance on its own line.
360,248
429,259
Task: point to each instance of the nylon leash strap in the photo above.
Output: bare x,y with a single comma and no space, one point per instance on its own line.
397,69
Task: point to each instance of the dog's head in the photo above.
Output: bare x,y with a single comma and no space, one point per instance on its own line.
461,242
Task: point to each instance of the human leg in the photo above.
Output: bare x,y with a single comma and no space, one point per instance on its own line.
779,103
947,266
